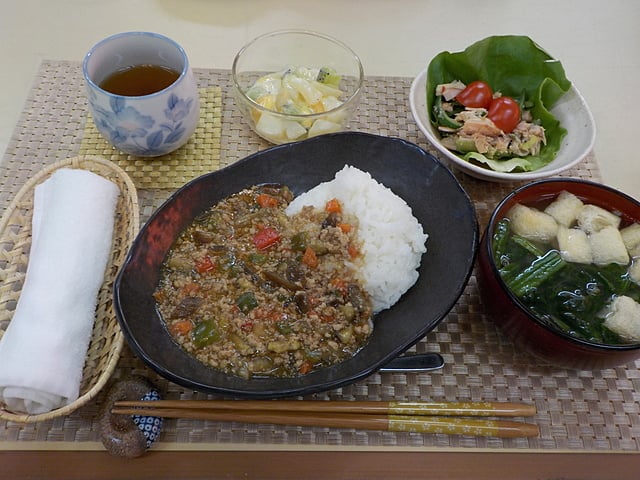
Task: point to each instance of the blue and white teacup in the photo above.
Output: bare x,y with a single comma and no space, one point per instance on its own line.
151,124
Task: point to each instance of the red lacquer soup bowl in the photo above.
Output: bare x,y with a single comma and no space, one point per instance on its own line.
549,344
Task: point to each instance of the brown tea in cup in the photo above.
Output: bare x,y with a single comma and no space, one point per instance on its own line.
139,80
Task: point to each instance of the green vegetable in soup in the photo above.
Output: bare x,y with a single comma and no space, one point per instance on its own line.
528,245
570,296
500,239
575,300
541,269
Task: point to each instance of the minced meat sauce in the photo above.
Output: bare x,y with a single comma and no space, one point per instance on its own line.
250,291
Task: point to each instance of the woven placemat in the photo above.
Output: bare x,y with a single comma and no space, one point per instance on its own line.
201,154
577,410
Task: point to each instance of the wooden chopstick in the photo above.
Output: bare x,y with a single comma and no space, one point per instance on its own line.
395,423
422,417
469,409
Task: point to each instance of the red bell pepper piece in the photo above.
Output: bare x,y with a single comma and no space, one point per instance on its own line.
266,237
205,265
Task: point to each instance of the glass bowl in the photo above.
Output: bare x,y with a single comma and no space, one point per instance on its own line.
301,109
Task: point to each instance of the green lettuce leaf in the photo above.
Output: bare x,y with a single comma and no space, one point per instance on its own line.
513,65
510,165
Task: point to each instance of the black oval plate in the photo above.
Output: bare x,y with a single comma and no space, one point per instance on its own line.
438,202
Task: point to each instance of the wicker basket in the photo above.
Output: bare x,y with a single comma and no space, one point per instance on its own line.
15,240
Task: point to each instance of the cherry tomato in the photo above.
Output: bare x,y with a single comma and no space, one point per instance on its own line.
476,95
505,113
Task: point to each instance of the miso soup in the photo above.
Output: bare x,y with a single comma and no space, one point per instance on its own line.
575,266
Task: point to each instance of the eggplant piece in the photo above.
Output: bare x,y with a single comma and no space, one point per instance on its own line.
277,190
302,302
294,273
202,236
356,296
332,220
278,279
186,307
217,250
253,273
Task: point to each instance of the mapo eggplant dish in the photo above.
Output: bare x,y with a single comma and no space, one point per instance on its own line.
251,291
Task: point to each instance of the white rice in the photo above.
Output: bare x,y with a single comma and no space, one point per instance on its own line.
393,239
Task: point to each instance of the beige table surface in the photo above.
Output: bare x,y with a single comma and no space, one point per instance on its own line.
598,42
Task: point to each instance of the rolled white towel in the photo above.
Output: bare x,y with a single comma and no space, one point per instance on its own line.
43,350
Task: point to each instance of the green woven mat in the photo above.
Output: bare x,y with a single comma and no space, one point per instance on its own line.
200,155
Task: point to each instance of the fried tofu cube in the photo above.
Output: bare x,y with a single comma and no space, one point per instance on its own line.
631,239
574,245
623,318
592,218
532,224
607,247
565,208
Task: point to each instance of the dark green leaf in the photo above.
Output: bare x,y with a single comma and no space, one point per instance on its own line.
511,64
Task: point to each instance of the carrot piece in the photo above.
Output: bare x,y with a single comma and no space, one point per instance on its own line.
333,206
326,317
189,289
345,227
353,250
267,201
266,314
181,327
310,258
339,284
160,296
305,368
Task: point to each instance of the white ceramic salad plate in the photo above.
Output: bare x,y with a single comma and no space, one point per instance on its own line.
571,110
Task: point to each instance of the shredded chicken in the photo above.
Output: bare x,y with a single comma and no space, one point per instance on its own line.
470,130
525,140
474,125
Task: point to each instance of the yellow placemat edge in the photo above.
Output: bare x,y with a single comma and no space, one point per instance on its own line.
200,155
